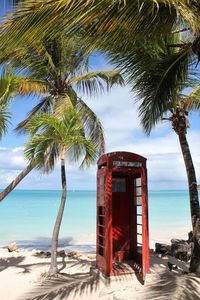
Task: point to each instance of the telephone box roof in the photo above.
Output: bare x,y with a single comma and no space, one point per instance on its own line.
121,156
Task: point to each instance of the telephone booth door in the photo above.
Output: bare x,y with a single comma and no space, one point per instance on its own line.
141,224
122,197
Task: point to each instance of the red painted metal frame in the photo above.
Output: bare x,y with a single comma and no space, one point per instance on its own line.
107,169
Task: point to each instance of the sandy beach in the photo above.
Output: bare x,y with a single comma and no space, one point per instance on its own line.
23,276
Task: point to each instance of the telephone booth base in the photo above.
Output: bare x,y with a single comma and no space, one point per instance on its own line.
122,215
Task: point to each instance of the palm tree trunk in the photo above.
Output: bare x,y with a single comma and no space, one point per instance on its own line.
194,203
16,181
53,267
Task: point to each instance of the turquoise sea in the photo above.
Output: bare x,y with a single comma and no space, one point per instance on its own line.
28,216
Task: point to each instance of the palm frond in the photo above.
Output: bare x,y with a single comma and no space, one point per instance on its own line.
92,125
93,83
4,121
63,103
158,83
42,150
192,101
46,104
103,18
7,86
32,87
44,121
41,17
82,149
50,134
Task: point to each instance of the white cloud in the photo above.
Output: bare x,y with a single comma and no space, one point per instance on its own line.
12,159
118,113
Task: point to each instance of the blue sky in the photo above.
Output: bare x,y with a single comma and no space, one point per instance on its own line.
118,113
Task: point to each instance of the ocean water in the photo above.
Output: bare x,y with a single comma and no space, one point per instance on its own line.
28,217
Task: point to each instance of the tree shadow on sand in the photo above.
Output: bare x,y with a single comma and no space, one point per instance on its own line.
160,285
174,284
10,262
61,286
16,262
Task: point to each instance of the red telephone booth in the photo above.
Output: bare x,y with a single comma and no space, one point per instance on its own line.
122,214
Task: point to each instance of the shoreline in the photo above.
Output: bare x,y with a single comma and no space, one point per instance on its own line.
87,244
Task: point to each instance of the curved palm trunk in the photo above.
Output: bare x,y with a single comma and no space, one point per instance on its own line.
53,267
194,203
16,181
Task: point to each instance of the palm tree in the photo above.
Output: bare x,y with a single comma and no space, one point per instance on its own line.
62,66
159,77
180,123
53,138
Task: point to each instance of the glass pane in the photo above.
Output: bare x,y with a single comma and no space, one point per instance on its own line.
139,249
139,209
101,250
139,239
101,191
101,241
101,230
139,229
119,185
139,191
138,181
139,219
139,200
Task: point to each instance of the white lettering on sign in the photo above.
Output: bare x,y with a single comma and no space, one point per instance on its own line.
136,164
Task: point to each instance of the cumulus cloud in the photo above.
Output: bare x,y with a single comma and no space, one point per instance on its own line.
12,159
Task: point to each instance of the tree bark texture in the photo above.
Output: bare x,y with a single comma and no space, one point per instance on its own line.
194,203
16,181
53,267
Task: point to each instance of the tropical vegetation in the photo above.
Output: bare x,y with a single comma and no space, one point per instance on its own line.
62,67
158,79
53,138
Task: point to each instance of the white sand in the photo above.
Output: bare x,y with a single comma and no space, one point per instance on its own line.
22,276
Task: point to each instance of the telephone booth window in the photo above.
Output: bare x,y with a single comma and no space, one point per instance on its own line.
119,185
101,216
101,191
138,188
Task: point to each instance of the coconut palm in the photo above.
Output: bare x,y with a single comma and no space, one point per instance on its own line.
180,123
62,66
159,78
53,138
